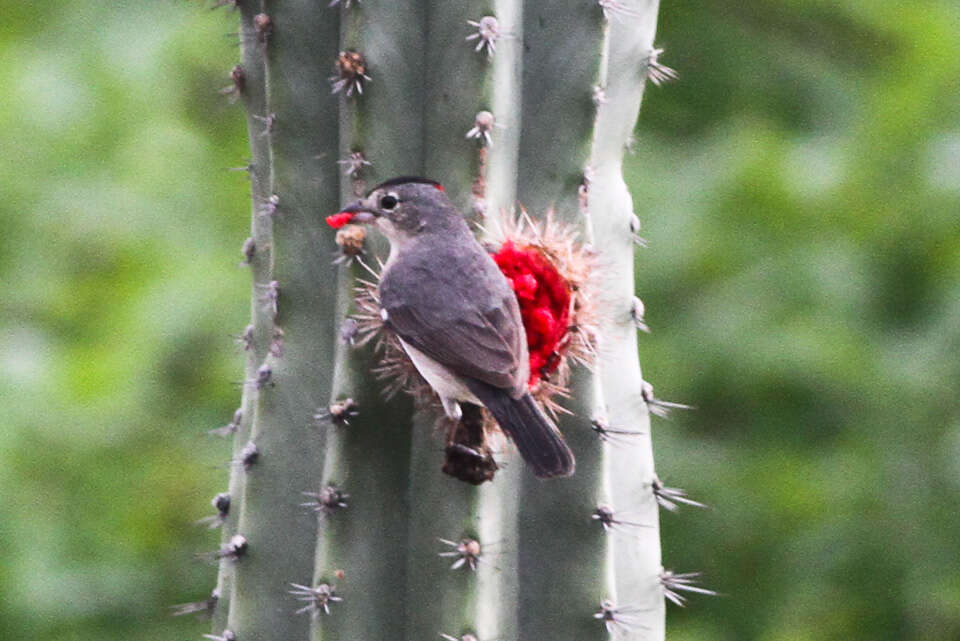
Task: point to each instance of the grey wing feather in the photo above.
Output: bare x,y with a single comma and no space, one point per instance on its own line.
464,316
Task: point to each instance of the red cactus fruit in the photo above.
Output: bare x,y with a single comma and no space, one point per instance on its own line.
544,298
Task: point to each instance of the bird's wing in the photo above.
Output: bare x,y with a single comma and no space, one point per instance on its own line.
463,316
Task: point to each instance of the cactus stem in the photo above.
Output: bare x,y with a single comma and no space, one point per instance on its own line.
659,407
674,584
203,608
669,497
431,108
318,599
249,455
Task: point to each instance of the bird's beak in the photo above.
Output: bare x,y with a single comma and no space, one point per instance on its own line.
359,211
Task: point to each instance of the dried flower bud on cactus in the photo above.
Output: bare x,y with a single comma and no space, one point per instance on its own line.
350,239
351,73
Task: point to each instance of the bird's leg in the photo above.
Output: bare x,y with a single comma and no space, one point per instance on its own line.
466,456
452,409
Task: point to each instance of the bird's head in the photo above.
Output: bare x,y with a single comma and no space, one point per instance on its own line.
402,208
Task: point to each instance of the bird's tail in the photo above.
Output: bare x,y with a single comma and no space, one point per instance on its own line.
535,436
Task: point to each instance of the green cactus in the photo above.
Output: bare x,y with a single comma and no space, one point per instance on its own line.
351,528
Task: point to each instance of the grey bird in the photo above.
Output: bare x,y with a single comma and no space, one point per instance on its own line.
456,315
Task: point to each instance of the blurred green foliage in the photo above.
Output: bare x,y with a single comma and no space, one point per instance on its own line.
800,192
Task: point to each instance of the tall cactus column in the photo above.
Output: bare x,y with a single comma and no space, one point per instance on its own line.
635,591
249,85
296,374
562,569
509,102
469,62
377,91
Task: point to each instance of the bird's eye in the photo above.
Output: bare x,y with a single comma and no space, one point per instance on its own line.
388,202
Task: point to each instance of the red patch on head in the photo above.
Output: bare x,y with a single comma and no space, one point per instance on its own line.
439,187
339,220
544,298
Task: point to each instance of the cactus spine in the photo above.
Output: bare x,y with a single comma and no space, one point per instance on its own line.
535,107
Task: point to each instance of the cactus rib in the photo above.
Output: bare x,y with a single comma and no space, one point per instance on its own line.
295,125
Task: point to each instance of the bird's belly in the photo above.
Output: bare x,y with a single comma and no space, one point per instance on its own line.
441,379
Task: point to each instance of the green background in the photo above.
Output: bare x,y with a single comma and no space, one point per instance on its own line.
800,191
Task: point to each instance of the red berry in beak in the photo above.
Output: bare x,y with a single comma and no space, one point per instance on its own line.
339,220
